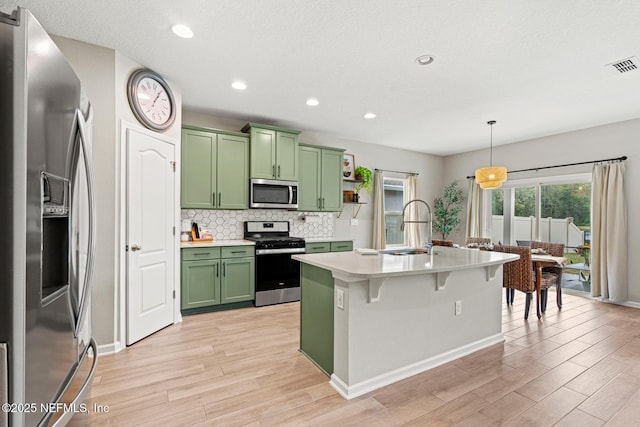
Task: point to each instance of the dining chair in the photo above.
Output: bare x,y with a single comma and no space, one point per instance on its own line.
436,242
550,275
478,240
517,274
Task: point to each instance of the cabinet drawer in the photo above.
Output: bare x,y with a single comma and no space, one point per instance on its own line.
237,251
341,246
316,248
194,254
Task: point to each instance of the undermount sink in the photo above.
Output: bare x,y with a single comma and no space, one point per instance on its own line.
407,251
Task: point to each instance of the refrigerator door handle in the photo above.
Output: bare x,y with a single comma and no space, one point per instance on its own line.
83,392
88,167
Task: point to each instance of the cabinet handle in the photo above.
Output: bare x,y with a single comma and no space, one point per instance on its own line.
219,199
224,270
237,252
201,254
278,171
273,171
319,202
322,207
217,270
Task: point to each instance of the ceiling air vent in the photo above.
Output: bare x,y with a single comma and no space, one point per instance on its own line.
624,65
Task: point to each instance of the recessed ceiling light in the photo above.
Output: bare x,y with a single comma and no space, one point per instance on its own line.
312,102
238,85
425,59
369,116
182,31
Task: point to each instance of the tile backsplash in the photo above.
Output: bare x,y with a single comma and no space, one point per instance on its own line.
228,224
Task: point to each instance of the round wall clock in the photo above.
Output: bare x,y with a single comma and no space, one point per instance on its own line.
151,100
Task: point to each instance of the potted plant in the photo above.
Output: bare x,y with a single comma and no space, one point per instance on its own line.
447,209
364,181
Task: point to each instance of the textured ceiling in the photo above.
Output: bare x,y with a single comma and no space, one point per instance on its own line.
537,67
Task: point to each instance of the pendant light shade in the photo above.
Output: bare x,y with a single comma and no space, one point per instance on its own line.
491,176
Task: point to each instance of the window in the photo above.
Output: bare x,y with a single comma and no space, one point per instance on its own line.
554,210
393,204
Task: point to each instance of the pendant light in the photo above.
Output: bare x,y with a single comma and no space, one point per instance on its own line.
492,176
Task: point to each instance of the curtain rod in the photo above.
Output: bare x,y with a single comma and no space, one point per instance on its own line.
562,166
405,173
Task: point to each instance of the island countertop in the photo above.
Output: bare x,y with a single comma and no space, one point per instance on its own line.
442,259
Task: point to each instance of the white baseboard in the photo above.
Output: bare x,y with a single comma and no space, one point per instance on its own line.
112,348
363,387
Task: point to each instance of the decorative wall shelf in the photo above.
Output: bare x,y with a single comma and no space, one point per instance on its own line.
355,206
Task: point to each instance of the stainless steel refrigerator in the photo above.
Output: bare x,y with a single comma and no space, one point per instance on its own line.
47,354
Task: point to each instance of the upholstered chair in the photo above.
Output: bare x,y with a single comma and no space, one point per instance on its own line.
550,275
478,240
436,242
517,274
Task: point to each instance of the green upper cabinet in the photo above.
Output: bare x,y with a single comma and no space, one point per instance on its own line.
198,179
320,186
274,152
331,179
309,198
233,172
215,169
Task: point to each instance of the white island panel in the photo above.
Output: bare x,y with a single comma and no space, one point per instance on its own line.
398,317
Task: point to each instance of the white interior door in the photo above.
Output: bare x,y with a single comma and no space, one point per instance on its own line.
150,238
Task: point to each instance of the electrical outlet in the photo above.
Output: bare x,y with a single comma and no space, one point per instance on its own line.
458,307
354,221
340,299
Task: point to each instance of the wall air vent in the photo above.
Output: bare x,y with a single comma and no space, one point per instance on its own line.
624,65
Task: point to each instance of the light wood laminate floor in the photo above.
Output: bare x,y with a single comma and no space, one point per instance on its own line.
576,367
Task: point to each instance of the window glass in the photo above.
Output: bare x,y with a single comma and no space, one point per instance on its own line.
393,204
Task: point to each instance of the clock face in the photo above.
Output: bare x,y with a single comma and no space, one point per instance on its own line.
151,100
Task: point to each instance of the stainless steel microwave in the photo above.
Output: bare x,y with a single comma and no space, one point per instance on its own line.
273,194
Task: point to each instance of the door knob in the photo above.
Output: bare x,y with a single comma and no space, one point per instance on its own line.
135,248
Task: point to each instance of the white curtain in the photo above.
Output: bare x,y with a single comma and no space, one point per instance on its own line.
379,240
473,209
608,233
412,235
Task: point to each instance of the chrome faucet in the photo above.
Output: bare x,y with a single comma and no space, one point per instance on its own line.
430,238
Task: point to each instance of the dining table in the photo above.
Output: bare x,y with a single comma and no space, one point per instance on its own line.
539,262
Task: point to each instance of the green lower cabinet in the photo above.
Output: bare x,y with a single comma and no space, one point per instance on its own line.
317,248
346,246
200,283
316,316
212,277
237,283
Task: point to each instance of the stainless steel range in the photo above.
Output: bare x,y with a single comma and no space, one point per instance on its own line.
277,275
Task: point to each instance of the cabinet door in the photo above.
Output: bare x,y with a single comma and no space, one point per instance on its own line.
287,156
200,284
341,246
331,178
198,179
263,153
317,248
309,183
238,280
233,172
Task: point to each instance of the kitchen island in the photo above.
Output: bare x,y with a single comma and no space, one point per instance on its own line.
371,320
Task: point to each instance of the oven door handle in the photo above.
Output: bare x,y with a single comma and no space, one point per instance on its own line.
280,251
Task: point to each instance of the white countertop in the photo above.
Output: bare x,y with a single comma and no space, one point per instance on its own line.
442,259
215,243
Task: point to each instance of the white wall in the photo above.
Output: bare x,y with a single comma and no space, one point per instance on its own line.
96,66
373,156
104,74
601,142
